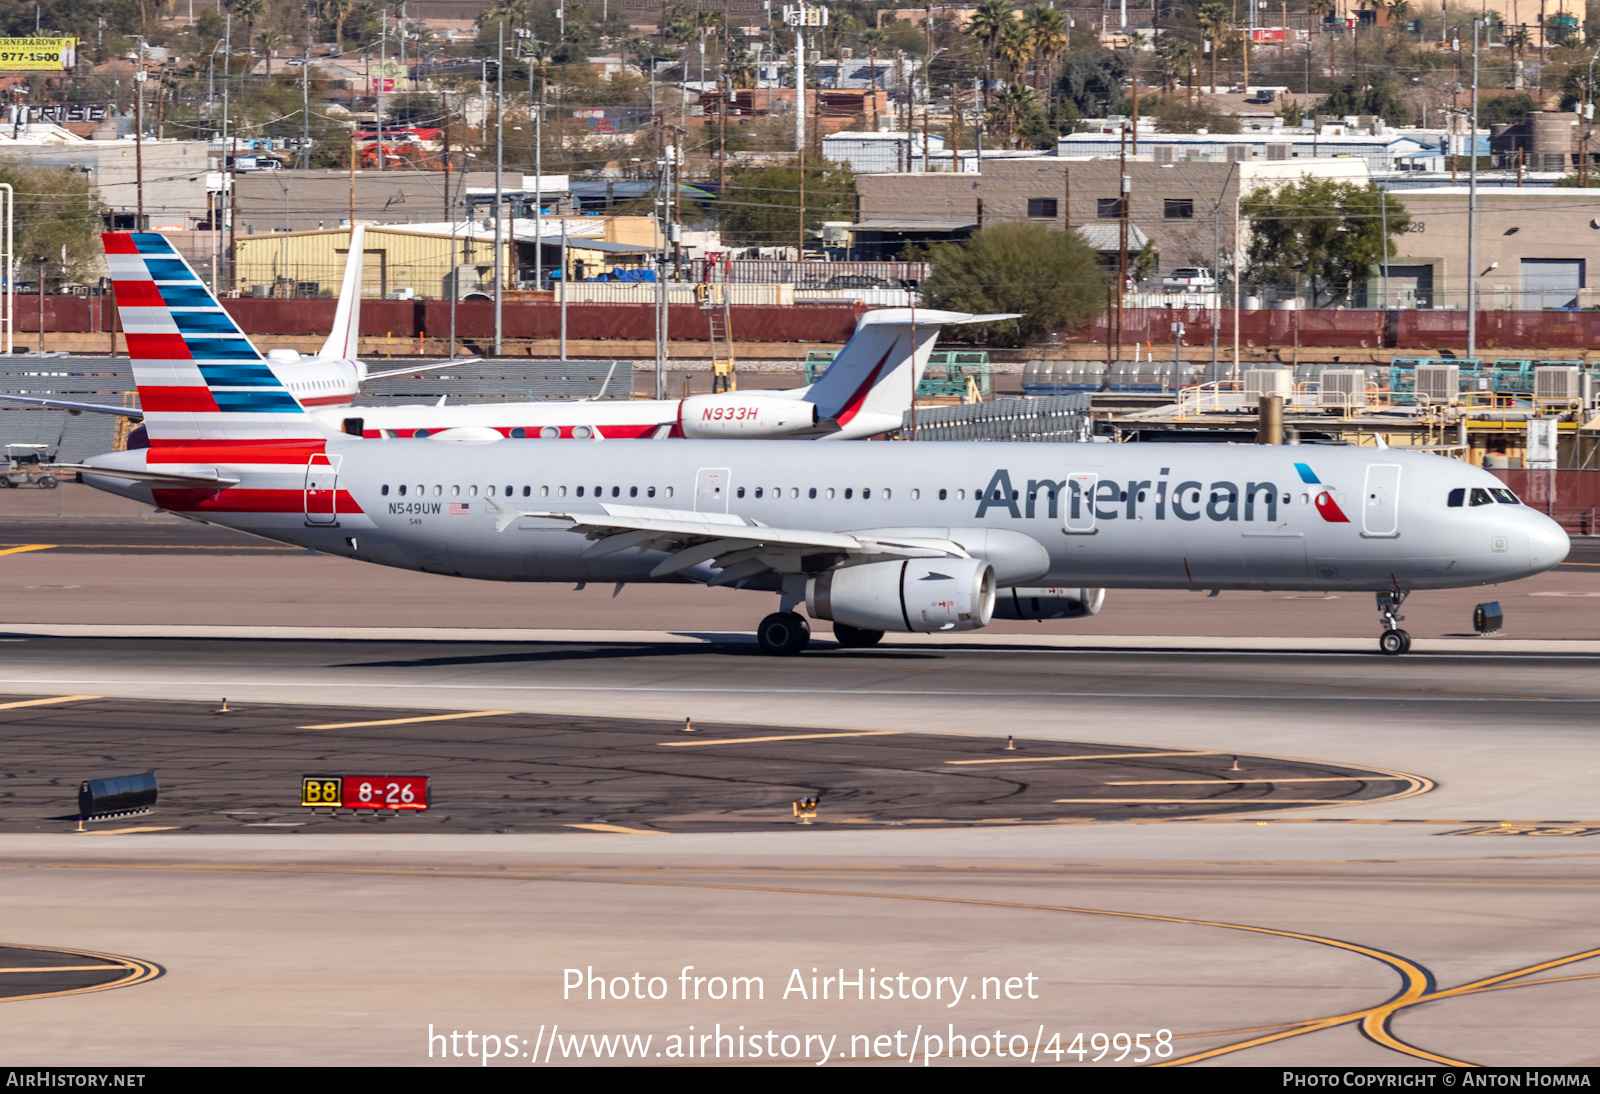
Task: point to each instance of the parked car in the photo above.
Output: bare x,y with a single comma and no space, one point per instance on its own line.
1189,279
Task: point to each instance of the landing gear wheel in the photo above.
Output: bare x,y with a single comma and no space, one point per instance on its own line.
783,634
854,638
48,482
1394,642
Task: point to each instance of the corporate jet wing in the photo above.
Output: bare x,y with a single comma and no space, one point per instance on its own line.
924,537
863,393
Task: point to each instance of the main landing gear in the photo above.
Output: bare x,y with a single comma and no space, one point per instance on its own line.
855,638
785,633
1393,641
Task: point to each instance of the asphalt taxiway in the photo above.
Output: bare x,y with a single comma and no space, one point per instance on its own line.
1451,920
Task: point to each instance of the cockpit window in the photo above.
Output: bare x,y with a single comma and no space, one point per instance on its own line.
1504,496
1480,496
1457,497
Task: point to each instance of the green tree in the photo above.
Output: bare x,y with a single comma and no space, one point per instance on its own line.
1051,277
988,23
1328,232
1380,97
762,205
57,207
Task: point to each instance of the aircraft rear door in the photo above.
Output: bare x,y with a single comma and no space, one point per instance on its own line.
322,489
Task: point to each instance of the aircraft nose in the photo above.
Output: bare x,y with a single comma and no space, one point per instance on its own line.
1548,544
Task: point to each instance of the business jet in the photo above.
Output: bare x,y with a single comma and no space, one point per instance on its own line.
863,393
919,538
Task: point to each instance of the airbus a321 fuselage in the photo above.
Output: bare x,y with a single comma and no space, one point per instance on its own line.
918,537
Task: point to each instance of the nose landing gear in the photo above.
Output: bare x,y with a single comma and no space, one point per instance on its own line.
1393,641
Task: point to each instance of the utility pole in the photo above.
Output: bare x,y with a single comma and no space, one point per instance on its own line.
1472,206
377,102
499,191
1122,240
138,147
303,160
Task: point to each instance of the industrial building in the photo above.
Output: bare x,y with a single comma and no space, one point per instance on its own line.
429,261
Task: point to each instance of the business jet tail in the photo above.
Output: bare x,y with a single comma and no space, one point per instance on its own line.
872,380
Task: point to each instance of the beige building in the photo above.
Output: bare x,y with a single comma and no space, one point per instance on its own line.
1186,208
1533,249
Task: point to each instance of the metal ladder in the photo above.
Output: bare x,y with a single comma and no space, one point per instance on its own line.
719,318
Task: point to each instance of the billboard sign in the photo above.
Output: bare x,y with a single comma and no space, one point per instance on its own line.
37,54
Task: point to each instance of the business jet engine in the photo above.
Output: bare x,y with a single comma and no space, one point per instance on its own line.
918,594
730,416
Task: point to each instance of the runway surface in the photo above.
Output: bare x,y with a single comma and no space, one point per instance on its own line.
1454,923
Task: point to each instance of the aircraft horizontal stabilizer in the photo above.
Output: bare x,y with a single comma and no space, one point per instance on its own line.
168,477
63,404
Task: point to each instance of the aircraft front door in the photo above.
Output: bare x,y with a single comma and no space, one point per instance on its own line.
322,489
711,490
1380,501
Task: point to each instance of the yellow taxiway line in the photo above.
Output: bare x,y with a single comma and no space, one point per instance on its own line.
46,702
26,547
784,737
1094,756
406,721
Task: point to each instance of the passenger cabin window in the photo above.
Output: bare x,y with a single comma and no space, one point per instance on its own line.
1480,496
385,490
1458,496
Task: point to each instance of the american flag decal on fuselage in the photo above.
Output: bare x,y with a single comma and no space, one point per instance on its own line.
200,379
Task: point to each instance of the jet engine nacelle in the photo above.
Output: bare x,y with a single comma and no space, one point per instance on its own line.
919,594
731,415
1056,603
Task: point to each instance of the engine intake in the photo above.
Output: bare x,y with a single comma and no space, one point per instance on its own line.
1053,603
918,595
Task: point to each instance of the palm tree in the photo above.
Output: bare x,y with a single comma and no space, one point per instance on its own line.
250,11
1322,9
1174,53
1013,107
1214,25
873,39
1015,48
989,23
269,40
337,9
1048,29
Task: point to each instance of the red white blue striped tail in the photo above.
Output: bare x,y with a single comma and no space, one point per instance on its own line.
200,379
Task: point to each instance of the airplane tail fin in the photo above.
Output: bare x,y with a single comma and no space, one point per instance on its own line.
878,370
342,340
200,378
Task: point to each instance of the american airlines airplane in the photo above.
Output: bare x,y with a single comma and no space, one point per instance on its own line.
925,537
864,392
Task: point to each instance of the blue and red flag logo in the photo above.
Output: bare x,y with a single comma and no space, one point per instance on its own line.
1327,508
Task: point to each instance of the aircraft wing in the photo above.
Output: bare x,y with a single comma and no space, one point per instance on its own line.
170,478
93,408
421,368
740,549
